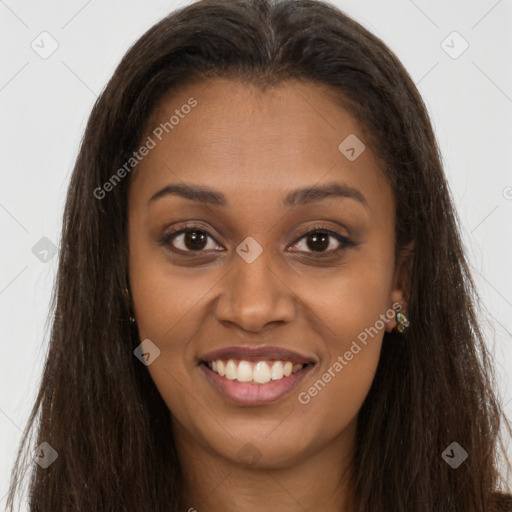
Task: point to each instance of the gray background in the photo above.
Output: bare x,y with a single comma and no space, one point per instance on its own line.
45,102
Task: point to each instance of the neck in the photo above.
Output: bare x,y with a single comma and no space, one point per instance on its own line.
317,481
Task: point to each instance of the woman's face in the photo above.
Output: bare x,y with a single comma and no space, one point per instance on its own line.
248,289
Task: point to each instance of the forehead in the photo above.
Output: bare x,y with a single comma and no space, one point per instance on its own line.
238,137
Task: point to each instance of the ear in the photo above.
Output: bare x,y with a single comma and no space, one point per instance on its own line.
401,283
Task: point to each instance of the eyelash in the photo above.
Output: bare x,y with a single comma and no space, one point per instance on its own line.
343,240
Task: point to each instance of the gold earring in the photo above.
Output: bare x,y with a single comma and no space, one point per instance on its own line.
403,322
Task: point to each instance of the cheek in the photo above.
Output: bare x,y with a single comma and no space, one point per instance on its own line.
168,308
167,305
166,298
350,312
163,303
352,331
336,391
346,303
348,322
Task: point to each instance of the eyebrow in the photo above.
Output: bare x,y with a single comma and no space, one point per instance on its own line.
298,197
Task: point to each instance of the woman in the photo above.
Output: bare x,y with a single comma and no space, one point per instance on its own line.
262,299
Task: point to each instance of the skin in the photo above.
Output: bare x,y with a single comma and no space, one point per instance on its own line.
254,147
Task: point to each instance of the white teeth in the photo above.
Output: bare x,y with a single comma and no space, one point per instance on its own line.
231,370
259,372
277,370
221,369
244,373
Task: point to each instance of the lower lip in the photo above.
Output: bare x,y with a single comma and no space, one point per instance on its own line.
243,393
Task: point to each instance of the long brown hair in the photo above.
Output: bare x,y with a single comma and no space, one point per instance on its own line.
97,405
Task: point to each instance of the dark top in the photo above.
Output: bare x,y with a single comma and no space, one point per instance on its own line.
503,502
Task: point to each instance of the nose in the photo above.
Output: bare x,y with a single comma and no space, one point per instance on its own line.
253,295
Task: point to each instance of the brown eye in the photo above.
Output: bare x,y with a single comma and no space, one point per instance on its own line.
318,241
190,239
322,241
195,240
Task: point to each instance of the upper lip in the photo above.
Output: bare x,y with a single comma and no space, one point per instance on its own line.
256,354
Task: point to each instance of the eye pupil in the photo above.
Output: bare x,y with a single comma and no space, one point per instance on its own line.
195,240
316,237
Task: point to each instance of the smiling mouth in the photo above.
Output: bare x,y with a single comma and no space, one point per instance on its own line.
254,372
